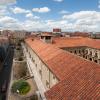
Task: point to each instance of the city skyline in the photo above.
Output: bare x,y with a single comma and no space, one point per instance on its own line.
44,15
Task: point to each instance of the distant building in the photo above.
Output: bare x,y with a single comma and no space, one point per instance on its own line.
80,34
95,35
4,43
56,30
19,34
6,32
66,34
0,32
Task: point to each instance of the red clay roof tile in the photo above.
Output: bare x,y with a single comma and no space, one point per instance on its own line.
76,42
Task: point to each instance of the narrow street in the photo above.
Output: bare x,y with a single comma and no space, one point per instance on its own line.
5,73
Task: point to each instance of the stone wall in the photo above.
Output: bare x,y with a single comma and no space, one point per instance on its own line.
91,54
47,77
20,68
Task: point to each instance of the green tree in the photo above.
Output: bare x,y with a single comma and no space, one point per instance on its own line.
21,87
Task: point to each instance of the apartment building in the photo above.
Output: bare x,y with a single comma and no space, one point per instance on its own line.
4,42
56,30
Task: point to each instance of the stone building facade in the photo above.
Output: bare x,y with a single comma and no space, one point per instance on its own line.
47,77
61,66
91,54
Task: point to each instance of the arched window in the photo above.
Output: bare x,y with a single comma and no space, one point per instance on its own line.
70,51
90,59
47,84
90,52
96,61
75,51
96,54
79,51
86,51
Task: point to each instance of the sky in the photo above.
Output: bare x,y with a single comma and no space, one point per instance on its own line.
44,15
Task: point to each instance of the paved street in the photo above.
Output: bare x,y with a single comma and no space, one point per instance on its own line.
6,71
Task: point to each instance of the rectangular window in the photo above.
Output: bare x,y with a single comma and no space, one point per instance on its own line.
47,84
53,77
48,37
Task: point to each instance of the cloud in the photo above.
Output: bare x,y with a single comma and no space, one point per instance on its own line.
30,15
3,10
10,23
56,24
77,21
58,0
41,10
85,16
34,25
84,20
7,19
64,12
36,17
18,10
6,2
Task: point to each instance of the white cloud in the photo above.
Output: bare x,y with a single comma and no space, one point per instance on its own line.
84,20
41,10
10,23
78,21
56,24
7,19
5,2
64,12
58,0
3,10
30,15
36,17
18,10
82,15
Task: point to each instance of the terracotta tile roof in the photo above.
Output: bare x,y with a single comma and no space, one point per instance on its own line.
78,77
84,84
82,34
76,42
